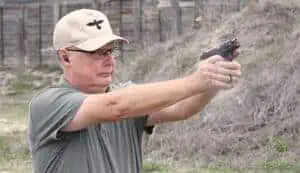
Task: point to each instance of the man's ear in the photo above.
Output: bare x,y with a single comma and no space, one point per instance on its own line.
64,56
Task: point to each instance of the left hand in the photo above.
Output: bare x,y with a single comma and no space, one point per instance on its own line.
230,70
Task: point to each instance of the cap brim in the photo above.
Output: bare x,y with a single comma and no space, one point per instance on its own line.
96,43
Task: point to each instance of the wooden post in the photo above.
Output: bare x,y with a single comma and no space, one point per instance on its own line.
2,36
56,11
238,6
137,12
95,4
221,12
40,34
121,28
21,43
252,4
196,23
160,26
178,17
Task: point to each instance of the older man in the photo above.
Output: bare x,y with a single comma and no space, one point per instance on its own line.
88,125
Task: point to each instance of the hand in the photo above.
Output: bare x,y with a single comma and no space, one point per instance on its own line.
236,53
216,73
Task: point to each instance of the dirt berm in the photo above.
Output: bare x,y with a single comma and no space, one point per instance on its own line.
255,122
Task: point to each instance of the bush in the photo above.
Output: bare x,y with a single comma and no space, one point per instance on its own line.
279,145
278,164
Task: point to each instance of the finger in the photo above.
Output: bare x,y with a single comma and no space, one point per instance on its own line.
221,78
229,72
221,85
214,59
217,69
229,64
236,53
235,80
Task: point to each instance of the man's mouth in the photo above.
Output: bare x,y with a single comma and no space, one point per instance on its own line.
104,74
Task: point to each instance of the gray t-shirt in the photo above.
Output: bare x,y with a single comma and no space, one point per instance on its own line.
113,147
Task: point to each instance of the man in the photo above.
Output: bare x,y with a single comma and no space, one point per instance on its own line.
88,125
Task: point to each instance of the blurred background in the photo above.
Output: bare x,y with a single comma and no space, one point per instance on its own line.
250,128
27,25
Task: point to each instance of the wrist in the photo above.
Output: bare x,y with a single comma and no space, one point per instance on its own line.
192,86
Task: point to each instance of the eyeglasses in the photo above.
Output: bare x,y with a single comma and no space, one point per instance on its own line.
115,52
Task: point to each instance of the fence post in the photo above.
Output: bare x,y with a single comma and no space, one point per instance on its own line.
160,25
252,4
2,36
238,5
178,16
96,4
21,43
56,11
121,29
40,34
137,12
196,14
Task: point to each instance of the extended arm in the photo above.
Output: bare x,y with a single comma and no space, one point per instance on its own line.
192,105
182,110
140,100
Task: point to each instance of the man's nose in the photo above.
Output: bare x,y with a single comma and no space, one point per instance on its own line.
108,58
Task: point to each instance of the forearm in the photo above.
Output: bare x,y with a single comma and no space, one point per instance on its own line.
138,100
130,102
150,97
192,105
183,109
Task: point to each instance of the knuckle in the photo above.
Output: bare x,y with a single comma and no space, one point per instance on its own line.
237,73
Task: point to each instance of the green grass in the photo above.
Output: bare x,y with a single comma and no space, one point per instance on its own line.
23,84
16,113
269,167
14,153
155,167
279,164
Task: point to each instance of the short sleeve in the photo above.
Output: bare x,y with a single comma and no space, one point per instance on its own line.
51,111
141,122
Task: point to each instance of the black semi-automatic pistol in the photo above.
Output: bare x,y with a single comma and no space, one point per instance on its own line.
225,50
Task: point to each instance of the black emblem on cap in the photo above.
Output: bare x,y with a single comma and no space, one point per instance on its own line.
96,23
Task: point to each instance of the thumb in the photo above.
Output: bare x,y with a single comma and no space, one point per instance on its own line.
214,59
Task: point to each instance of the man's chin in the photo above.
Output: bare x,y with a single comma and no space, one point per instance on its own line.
96,89
100,87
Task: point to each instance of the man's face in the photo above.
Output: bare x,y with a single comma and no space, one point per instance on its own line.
91,72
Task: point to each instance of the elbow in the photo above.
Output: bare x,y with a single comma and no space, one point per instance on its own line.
119,109
184,117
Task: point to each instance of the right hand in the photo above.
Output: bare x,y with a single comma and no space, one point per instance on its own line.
216,73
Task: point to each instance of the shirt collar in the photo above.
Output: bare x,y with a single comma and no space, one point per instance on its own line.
65,84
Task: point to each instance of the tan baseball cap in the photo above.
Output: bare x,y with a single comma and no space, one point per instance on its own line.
85,29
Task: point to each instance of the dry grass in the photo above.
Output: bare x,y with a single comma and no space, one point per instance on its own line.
13,142
238,129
